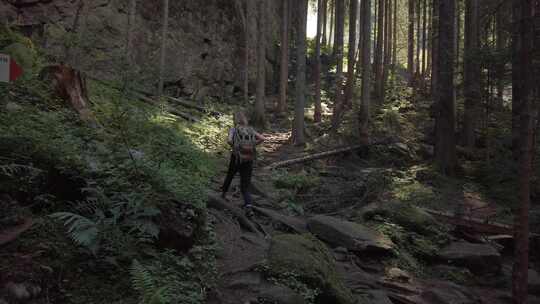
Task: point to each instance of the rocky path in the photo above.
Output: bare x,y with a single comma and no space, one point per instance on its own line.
339,261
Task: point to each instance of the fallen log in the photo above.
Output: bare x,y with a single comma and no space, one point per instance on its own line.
11,234
470,223
217,203
320,155
174,112
191,105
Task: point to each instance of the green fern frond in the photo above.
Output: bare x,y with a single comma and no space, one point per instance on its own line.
81,230
141,278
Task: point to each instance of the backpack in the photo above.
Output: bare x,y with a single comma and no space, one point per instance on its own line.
244,144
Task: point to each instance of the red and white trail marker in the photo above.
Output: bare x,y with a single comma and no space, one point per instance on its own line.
9,69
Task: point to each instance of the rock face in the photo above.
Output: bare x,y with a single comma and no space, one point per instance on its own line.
204,47
479,258
352,236
311,262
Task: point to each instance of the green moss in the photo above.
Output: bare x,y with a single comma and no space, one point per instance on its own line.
308,258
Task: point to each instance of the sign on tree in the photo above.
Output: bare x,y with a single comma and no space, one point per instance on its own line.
9,69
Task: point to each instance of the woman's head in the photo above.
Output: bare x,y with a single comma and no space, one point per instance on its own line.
240,119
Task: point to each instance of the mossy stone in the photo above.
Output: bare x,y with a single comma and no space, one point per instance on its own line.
311,260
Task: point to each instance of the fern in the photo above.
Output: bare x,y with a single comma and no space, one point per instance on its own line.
143,282
82,230
12,170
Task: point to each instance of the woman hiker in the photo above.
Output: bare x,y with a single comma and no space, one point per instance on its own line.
243,139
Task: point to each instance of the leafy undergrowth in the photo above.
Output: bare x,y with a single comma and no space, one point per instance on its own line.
101,195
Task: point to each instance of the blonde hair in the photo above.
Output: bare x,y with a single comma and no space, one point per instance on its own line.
240,119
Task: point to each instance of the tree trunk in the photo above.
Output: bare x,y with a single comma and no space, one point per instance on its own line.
340,29
258,118
502,41
523,81
435,52
387,46
472,90
363,113
129,41
424,40
244,15
379,69
410,49
445,146
394,44
339,18
332,17
351,80
318,108
284,64
516,98
298,123
164,33
418,38
324,21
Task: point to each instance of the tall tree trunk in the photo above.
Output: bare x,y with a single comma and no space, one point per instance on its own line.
445,146
164,33
410,49
332,17
472,90
284,64
387,47
516,96
363,108
424,41
394,44
318,108
435,51
429,38
502,41
244,15
375,24
340,29
418,37
258,118
338,19
349,89
298,123
379,69
523,81
324,21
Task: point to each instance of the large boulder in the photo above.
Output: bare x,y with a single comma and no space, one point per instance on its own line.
311,262
353,236
479,258
403,214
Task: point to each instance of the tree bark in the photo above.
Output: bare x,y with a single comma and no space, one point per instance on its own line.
317,115
284,64
298,123
331,34
418,64
351,79
258,118
324,21
445,147
363,109
410,49
472,90
379,69
435,51
523,55
340,29
502,41
424,40
164,33
394,44
516,98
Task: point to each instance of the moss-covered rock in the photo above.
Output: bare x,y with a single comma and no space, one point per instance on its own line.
405,215
312,262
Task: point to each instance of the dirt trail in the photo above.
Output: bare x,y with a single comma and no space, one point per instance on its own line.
242,253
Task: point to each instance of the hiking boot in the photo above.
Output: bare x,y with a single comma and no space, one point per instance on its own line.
249,210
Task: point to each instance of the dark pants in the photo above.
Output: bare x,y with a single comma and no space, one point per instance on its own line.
245,169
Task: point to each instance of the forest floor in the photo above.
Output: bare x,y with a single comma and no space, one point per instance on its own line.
391,190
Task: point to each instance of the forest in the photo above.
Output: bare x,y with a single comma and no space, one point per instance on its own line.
269,151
